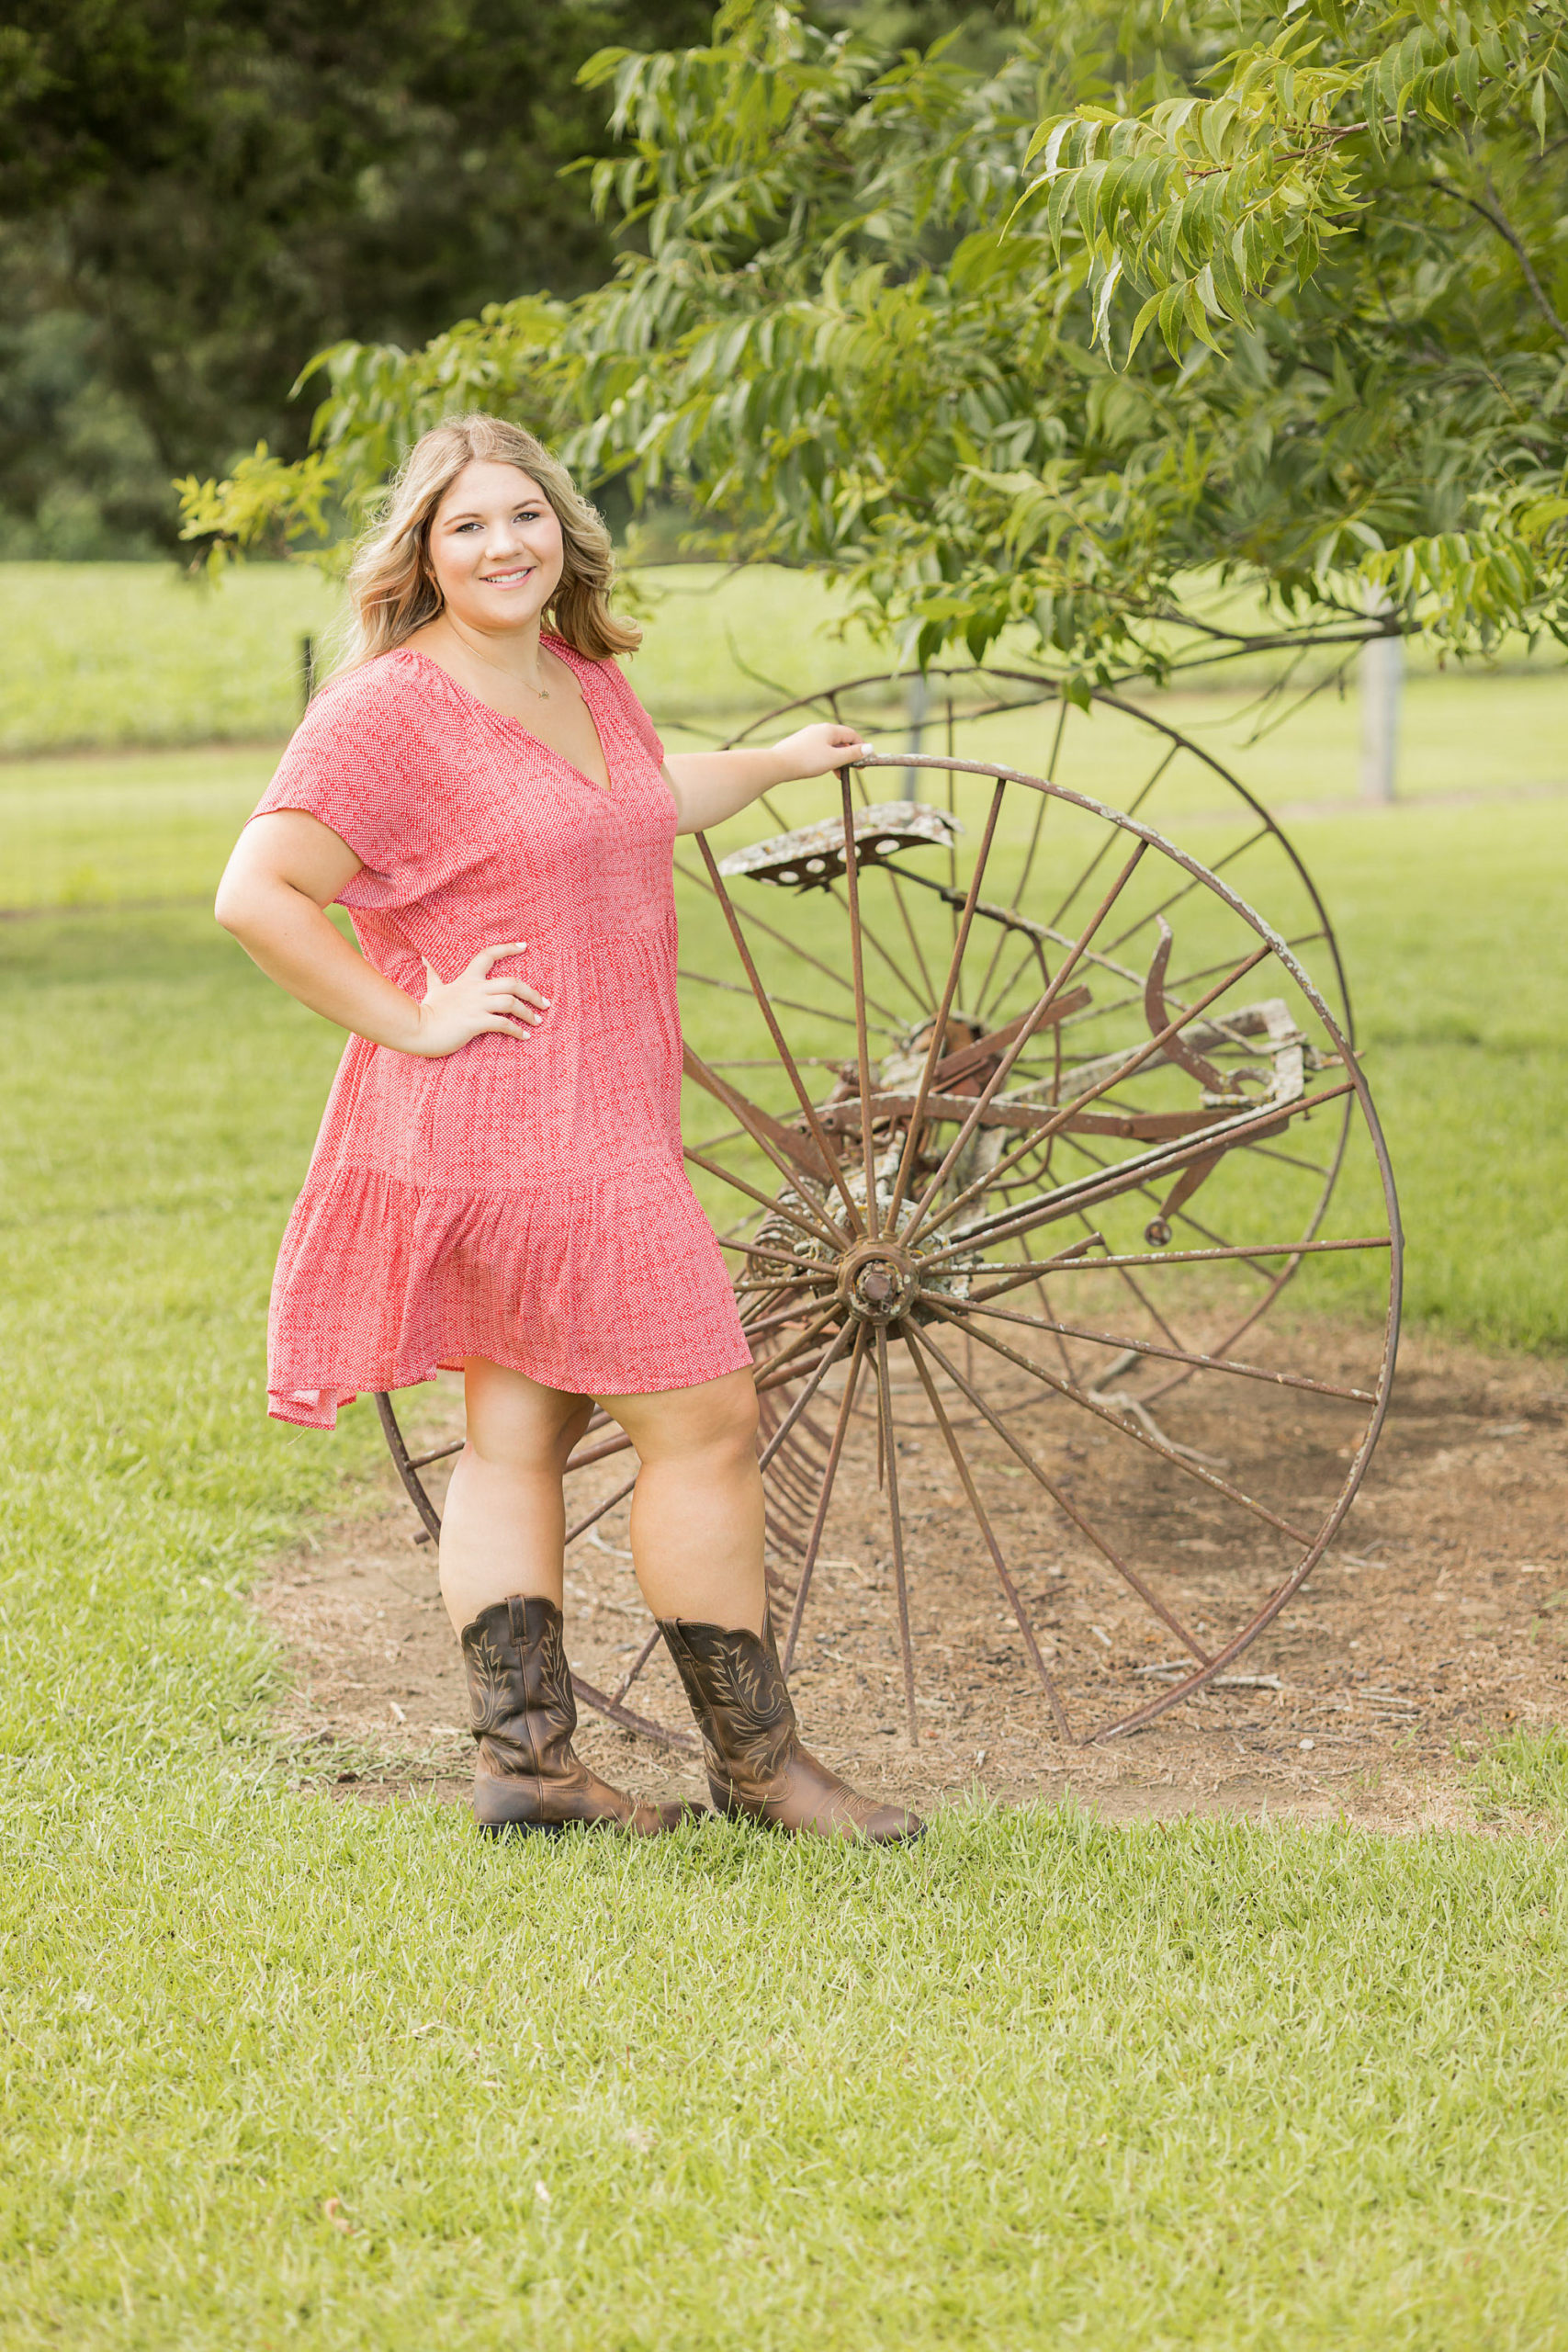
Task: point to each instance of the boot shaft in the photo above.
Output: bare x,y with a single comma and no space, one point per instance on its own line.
521,1707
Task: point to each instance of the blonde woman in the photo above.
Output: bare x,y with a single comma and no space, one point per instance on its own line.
498,1183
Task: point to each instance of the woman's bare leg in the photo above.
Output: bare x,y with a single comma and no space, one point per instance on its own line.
697,1509
503,1529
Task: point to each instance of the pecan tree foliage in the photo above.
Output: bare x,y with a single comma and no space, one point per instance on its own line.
1205,292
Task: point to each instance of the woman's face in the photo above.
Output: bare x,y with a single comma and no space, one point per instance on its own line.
495,548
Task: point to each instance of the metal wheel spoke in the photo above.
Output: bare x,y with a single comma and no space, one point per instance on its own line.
840,1429
1000,1074
1124,1569
773,1208
1077,1395
782,938
1132,1174
1076,1262
1177,1355
862,1045
830,1156
791,1003
938,1044
790,1154
1004,1577
896,1524
1117,1077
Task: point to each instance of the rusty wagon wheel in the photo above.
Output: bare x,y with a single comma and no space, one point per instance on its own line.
1015,1124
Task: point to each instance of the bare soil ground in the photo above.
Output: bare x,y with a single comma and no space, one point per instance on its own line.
1439,1618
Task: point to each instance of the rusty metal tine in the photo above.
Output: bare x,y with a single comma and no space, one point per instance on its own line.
868,1141
1123,1071
1175,1355
890,1450
772,931
1015,1599
1004,1068
840,1429
1124,1569
1119,1176
939,1027
1075,1395
820,1134
600,1453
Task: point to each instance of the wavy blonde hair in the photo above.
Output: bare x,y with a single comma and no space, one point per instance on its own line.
391,588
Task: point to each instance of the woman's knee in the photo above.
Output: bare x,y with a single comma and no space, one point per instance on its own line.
514,1423
716,1422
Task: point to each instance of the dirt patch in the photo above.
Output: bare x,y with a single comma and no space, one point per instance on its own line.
1439,1618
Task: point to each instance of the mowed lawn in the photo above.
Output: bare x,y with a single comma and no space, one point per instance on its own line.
281,2072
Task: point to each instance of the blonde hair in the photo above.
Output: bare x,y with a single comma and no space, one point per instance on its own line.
391,588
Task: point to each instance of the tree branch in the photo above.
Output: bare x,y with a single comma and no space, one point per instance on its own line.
1511,237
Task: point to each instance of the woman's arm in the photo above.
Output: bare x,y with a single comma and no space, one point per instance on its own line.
710,786
285,870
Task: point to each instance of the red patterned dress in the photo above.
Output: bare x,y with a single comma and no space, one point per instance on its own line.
527,1203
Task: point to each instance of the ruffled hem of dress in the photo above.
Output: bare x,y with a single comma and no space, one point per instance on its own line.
380,1284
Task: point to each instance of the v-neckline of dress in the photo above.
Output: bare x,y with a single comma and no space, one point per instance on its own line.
606,790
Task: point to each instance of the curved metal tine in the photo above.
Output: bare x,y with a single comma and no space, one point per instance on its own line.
1124,1569
771,931
1077,1396
1017,898
939,1027
1180,1217
917,1347
1120,1341
405,1469
862,1044
889,1437
830,1472
1075,1262
603,1452
754,1123
819,1133
792,1003
1117,1077
1000,1076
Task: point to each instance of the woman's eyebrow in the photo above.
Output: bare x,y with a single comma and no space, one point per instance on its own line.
469,514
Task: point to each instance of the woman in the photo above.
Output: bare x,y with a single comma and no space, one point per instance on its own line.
498,1182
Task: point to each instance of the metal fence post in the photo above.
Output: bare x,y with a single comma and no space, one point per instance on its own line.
1383,677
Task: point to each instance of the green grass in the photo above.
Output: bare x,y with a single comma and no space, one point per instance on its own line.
278,2072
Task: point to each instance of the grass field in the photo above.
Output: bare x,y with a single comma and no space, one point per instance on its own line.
278,2072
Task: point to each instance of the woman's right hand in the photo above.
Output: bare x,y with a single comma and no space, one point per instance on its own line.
476,1001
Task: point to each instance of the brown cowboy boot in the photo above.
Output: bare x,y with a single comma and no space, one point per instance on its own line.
756,1765
524,1713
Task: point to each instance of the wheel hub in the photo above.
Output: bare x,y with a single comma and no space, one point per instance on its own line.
878,1281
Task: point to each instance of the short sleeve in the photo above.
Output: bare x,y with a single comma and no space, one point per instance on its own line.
352,764
632,709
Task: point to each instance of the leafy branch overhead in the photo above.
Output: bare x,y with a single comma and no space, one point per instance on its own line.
1035,341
